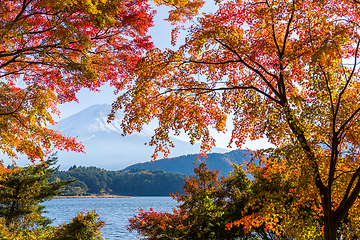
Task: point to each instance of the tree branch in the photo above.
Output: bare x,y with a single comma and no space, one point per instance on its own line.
213,63
348,120
24,6
223,89
21,103
251,68
262,67
348,80
348,201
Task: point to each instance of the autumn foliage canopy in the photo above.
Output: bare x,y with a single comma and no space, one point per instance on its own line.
287,70
49,50
284,69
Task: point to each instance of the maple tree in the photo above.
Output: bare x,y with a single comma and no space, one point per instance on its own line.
203,211
283,201
49,50
287,70
209,209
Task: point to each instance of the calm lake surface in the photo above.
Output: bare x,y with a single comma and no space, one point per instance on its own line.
116,211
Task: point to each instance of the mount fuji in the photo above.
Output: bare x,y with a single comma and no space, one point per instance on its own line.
105,146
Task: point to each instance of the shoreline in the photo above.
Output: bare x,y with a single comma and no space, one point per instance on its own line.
94,196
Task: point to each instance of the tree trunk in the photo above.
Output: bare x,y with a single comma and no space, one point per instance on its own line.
330,228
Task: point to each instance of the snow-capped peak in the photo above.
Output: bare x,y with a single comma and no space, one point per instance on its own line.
92,120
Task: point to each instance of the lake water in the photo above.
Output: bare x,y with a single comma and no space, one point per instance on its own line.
116,211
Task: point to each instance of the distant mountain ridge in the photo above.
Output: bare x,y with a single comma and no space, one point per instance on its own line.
105,146
184,164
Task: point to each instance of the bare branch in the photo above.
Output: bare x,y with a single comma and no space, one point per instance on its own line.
348,120
21,103
24,6
274,38
262,67
342,174
348,200
252,68
8,62
348,80
222,89
287,33
213,63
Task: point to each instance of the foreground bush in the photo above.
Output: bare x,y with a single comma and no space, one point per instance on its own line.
21,192
271,206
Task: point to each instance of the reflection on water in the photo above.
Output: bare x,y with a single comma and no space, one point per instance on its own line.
116,211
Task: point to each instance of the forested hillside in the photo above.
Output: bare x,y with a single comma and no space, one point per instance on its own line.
92,180
159,178
184,164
